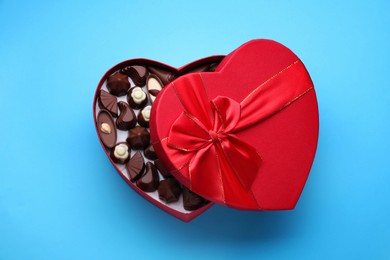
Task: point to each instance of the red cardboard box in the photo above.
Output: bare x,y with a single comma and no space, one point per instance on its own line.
243,136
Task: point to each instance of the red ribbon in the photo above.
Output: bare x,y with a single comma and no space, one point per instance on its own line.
207,129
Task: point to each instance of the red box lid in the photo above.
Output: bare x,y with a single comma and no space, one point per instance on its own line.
245,135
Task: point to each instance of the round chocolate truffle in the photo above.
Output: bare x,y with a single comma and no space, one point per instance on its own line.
137,98
118,84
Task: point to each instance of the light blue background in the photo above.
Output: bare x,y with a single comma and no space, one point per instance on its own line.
61,199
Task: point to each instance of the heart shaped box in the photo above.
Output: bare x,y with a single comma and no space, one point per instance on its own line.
286,138
175,209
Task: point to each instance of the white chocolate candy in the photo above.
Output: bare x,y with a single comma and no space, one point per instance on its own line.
121,151
154,84
146,113
105,128
138,95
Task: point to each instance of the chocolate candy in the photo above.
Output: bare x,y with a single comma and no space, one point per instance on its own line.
150,180
137,74
150,153
191,200
164,75
169,190
201,68
121,153
154,86
135,167
144,116
137,98
118,84
106,128
138,138
127,118
161,168
108,102
213,66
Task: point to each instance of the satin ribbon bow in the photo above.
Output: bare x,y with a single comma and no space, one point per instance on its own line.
207,129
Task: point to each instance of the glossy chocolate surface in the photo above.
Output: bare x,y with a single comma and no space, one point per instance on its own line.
169,190
131,98
154,86
161,168
138,138
150,153
118,84
108,102
201,68
136,166
127,118
138,74
120,153
164,75
213,66
106,128
150,180
144,116
191,200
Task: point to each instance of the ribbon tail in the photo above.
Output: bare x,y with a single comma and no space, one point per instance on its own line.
206,175
244,160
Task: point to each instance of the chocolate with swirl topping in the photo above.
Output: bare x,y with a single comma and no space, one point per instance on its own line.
137,74
164,75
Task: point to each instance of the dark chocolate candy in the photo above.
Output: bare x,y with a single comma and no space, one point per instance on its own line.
106,128
121,153
154,86
137,74
127,118
108,102
191,200
137,98
169,190
118,84
201,68
150,153
143,116
161,168
213,66
138,138
136,166
164,75
150,180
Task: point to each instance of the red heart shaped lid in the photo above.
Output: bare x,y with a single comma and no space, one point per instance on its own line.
245,135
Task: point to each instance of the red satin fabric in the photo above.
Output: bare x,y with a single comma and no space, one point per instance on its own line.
220,163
